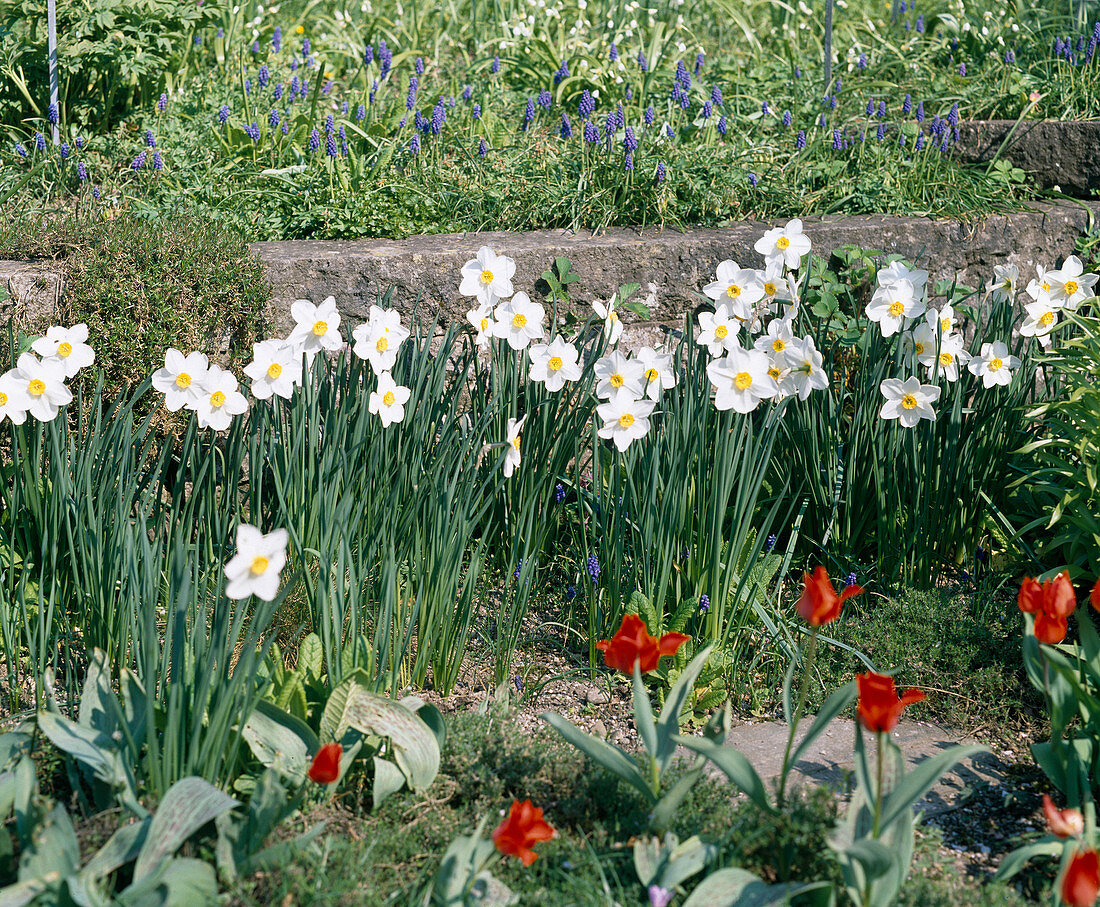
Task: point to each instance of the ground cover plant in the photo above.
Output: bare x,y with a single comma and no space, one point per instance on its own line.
331,120
388,495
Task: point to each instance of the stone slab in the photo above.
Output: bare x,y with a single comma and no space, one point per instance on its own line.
1055,153
671,266
34,292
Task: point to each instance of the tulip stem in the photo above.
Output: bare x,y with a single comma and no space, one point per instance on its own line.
796,717
878,784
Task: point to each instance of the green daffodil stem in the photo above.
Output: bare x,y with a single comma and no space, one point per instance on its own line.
803,692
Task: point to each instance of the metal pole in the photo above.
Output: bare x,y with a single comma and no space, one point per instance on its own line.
51,16
828,45
895,11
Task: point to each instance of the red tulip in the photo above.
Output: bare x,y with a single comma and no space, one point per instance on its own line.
879,705
819,603
523,827
1065,823
1094,595
634,644
1051,602
326,764
1081,883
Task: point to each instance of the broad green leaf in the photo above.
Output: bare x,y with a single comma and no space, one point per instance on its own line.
388,780
280,741
919,780
643,715
121,848
740,888
875,858
414,744
311,657
668,724
1013,862
735,766
602,753
179,882
53,848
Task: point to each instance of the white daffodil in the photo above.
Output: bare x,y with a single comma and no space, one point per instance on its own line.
379,339
1039,287
950,357
316,328
624,420
254,569
481,320
892,304
1004,282
181,379
14,399
943,321
220,400
44,384
519,321
67,346
1040,321
994,366
805,372
920,345
488,276
617,376
908,400
896,271
388,399
612,325
718,330
554,364
657,371
1069,286
275,370
785,244
776,340
512,458
775,285
741,380
736,287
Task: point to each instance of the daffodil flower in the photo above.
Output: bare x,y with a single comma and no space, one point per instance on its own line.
942,321
741,380
554,364
718,330
657,371
44,384
1040,321
777,338
512,457
908,401
949,358
519,321
481,319
380,338
624,420
388,400
14,399
275,370
785,245
254,569
892,304
736,287
995,364
487,276
920,344
617,376
1069,286
181,378
1004,282
804,368
220,400
1039,288
316,328
896,271
612,324
67,346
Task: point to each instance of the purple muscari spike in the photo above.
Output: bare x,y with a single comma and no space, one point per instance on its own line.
821,121
798,72
613,53
882,110
920,24
643,63
907,105
273,118
628,161
150,139
158,162
1080,46
953,116
344,148
421,123
327,87
467,92
79,142
628,93
330,145
901,139
53,115
419,67
221,33
360,113
838,142
277,92
881,131
529,113
305,47
295,84
699,58
706,110
559,493
414,144
660,172
668,131
862,64
704,602
954,133
248,86
283,129
682,75
263,76
330,125
223,113
20,149
685,100
385,55
545,100
870,108
786,118
64,150
591,133
293,64
832,102
800,141
561,73
277,39
716,96
439,114
839,85
620,117
902,7
630,141
1010,55
495,68
962,69
162,102
476,112
340,132
722,128
586,106
255,44
650,114
593,567
253,132
920,111
919,144
138,162
482,148
95,193
81,171
752,180
373,92
944,146
955,43
314,140
410,100
368,55
764,108
344,108
566,129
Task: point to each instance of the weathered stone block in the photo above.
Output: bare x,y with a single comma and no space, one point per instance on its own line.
1058,153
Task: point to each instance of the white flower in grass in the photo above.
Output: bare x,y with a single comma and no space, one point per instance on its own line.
741,380
994,366
379,339
657,371
943,320
67,346
805,371
785,244
14,399
1040,321
718,330
254,569
512,457
624,420
892,304
896,272
316,328
275,370
921,344
908,401
775,285
488,276
950,357
481,320
519,321
617,376
1005,278
44,384
554,364
1069,286
736,287
181,379
612,325
776,340
388,400
220,400
1039,288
